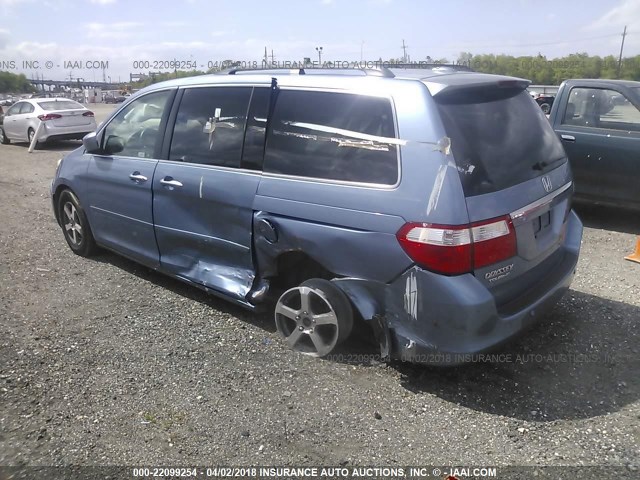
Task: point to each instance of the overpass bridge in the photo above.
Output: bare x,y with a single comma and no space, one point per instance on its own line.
77,83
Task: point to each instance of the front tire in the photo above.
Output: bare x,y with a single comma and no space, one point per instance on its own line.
314,318
75,225
3,137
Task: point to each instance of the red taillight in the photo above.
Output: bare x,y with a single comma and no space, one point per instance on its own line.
49,116
493,241
87,114
454,250
440,248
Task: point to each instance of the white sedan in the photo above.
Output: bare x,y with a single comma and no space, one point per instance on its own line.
61,119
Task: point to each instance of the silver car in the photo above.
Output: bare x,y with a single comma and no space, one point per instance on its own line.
61,118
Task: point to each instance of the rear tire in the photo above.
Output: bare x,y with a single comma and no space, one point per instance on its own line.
30,133
3,138
75,225
314,318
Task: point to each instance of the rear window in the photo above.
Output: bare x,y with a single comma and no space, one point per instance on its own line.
60,105
499,138
334,136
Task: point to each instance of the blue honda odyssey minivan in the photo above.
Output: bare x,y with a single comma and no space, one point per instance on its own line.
434,205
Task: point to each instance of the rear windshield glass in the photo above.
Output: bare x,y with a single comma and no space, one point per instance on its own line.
499,138
60,105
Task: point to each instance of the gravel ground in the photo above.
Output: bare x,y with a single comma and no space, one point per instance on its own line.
103,362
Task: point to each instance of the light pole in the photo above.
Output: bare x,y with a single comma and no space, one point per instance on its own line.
319,50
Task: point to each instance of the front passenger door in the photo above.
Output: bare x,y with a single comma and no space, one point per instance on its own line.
119,179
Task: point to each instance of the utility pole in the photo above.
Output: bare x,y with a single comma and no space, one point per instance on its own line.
266,57
273,58
624,34
404,52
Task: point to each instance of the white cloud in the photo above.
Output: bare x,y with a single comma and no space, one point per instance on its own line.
220,33
103,2
116,30
173,24
626,13
327,2
10,3
4,38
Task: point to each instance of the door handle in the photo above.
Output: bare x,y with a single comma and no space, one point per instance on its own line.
170,182
568,138
136,177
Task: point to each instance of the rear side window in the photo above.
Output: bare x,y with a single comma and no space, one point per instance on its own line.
335,136
27,108
201,137
499,138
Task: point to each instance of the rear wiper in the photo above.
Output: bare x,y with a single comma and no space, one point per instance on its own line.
543,165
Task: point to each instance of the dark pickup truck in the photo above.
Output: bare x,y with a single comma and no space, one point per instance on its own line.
598,122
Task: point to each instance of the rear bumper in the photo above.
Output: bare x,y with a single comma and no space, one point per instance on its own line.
471,323
76,132
434,319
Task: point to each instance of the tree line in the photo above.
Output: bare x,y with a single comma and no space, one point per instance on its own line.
10,82
543,71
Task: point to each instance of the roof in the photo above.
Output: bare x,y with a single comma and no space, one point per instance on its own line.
604,81
442,77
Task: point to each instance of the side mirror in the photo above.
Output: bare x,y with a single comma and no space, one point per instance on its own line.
113,145
91,143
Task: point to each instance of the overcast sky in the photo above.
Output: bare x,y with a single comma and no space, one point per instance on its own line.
205,31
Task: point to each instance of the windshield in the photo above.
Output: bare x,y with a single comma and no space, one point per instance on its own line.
498,138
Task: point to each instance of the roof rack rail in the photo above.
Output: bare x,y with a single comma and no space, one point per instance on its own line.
430,66
370,72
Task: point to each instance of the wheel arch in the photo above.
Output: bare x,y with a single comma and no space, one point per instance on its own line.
56,198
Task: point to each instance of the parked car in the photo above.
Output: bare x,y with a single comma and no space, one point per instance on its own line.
545,101
62,119
435,206
598,122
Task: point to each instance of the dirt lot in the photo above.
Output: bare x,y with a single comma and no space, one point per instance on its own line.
103,362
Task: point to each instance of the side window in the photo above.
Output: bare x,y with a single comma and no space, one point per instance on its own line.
199,136
135,130
27,108
601,108
336,136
